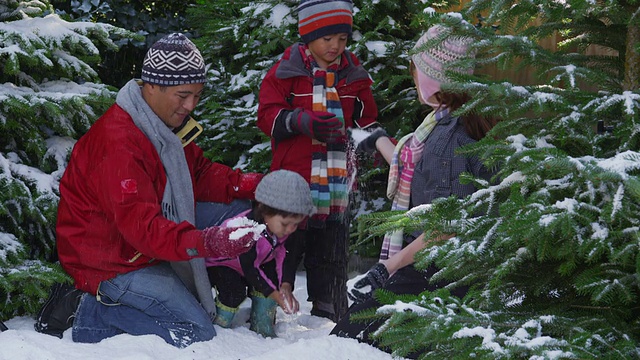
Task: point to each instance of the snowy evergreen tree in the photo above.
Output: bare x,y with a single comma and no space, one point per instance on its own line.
150,19
50,95
551,249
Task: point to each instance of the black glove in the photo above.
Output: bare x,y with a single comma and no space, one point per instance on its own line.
374,278
320,125
368,144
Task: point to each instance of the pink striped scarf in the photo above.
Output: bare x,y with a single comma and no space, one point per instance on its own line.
405,156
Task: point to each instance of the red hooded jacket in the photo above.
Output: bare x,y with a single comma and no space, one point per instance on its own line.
109,217
289,85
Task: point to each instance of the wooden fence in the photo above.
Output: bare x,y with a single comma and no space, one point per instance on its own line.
524,77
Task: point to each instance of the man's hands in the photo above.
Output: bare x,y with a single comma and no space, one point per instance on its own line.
229,242
320,125
285,299
373,279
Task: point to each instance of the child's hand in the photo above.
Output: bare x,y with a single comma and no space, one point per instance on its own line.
278,298
373,279
292,305
368,144
320,125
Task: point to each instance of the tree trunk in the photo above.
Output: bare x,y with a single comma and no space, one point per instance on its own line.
632,60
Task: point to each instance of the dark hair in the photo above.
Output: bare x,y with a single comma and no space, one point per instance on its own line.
261,210
475,125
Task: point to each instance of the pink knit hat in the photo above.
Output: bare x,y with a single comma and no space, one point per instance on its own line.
433,62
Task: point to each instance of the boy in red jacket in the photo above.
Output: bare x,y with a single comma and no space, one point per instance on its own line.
316,91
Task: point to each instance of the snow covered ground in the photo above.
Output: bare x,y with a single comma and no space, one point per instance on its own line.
300,337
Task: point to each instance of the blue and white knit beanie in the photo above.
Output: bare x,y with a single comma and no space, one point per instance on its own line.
173,60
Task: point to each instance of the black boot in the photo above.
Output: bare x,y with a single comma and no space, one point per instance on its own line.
58,312
324,309
3,327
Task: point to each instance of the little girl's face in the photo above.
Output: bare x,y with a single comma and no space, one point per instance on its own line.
282,226
432,100
327,48
414,74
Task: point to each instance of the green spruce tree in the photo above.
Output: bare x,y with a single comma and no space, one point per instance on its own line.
149,19
551,248
50,96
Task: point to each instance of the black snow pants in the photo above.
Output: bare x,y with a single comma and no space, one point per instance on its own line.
407,280
326,255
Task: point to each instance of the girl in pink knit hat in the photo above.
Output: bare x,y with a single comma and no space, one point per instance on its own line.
423,166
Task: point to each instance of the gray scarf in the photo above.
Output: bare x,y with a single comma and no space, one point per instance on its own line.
178,198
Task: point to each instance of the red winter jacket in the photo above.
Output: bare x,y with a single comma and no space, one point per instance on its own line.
109,216
289,85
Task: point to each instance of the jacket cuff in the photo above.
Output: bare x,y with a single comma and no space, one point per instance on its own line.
194,244
281,130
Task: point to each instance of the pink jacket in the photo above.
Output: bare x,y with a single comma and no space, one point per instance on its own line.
249,264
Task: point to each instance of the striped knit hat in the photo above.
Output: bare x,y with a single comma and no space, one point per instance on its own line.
173,60
318,18
433,62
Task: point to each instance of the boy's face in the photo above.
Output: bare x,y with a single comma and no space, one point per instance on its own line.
172,104
327,48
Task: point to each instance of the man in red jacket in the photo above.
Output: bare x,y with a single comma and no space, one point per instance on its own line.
126,219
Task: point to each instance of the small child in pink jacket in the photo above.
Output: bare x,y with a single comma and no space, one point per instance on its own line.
283,201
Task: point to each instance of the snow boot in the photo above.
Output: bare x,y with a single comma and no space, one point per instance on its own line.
224,315
3,327
263,315
325,310
59,311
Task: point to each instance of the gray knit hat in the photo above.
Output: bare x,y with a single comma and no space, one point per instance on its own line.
173,60
287,191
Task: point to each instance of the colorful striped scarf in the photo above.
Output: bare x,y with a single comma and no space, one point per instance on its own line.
329,168
403,162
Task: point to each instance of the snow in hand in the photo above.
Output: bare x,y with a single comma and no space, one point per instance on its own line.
300,337
245,226
358,135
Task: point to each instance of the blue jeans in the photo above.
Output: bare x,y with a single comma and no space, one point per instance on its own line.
152,300
212,214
